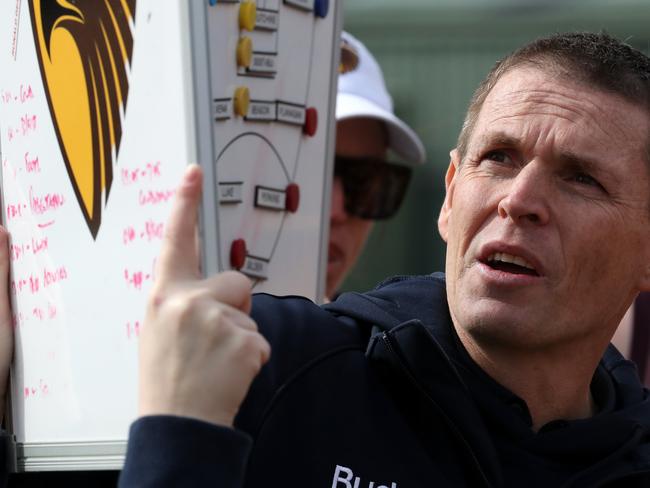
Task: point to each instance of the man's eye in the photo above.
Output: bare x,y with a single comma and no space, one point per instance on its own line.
585,179
498,157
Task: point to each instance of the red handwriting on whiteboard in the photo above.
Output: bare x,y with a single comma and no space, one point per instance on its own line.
17,285
15,210
26,127
27,124
146,172
26,93
36,245
137,278
32,165
39,313
151,230
37,391
33,283
14,36
40,204
22,95
16,251
128,235
52,276
51,311
133,329
17,319
154,197
43,313
30,283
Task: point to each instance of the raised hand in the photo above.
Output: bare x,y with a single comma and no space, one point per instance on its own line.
199,349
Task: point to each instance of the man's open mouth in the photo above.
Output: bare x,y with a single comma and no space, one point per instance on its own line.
510,264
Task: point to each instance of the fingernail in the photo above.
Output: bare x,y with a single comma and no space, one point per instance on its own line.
191,175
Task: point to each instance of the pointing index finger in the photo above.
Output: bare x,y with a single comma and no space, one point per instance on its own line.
179,256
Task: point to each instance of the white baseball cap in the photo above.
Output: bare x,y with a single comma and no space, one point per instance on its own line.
362,93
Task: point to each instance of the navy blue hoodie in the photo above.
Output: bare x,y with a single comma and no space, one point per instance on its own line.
376,391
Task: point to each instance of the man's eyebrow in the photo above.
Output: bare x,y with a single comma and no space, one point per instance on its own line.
569,158
574,161
602,171
498,139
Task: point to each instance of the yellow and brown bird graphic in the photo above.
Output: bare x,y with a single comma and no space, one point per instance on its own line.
84,50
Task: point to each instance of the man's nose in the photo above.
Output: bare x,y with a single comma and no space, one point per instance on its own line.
337,210
527,196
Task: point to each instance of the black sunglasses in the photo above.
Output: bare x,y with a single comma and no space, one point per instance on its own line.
373,189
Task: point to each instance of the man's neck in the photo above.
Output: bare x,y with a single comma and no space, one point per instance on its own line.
554,383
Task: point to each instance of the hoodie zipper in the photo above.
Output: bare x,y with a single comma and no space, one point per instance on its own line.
389,346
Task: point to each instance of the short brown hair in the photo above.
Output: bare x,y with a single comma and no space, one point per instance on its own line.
597,60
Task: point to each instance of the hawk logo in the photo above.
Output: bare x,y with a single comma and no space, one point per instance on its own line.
84,50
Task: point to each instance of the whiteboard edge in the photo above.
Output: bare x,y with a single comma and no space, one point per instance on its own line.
328,176
203,137
66,456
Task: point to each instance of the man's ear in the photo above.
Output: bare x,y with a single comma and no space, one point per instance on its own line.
445,211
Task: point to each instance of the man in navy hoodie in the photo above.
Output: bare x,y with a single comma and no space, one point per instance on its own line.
498,373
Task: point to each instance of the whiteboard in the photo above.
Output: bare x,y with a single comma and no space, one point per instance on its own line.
95,136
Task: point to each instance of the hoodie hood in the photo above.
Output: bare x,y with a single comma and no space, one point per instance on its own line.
395,301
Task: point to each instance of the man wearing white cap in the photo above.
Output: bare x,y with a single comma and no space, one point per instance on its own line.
366,186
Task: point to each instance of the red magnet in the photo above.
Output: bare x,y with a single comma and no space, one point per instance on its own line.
238,253
311,122
292,200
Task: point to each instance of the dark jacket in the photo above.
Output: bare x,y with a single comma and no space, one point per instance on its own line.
375,390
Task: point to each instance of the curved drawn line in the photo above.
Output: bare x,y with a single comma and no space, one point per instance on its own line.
277,237
286,174
309,73
275,245
232,141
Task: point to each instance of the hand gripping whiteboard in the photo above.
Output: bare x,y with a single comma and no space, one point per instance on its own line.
100,111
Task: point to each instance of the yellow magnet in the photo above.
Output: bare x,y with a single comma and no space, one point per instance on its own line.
242,100
244,52
247,15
